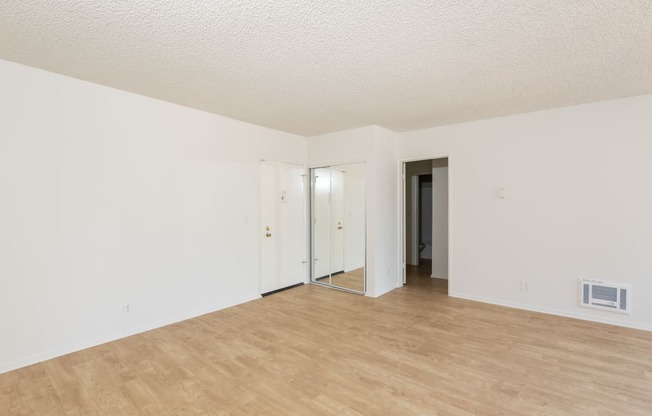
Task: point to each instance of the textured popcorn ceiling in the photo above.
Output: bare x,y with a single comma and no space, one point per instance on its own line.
311,67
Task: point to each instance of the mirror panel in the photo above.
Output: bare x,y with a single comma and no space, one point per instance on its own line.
351,227
338,226
320,217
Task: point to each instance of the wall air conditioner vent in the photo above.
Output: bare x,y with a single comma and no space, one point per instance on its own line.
607,296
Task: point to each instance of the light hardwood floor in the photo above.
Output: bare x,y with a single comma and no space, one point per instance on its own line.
313,350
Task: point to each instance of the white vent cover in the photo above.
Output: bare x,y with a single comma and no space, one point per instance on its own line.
607,296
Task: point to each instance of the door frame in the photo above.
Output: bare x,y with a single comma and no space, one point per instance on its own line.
416,210
260,221
401,226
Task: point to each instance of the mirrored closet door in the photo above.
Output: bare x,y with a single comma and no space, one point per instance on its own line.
338,226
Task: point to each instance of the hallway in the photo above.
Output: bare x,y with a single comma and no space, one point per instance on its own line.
418,277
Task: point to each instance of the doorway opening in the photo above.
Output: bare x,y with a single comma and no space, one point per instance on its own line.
425,222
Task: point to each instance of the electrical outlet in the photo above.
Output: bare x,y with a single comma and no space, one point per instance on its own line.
126,308
525,287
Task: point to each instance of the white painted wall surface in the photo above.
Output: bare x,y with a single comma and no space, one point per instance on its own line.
342,147
383,211
440,222
579,196
108,196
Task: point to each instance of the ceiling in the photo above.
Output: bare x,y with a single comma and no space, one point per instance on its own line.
311,67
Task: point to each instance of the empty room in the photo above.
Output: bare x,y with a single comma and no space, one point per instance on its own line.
325,208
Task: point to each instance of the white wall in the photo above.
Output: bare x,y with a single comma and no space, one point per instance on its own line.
108,197
385,202
578,204
342,147
440,222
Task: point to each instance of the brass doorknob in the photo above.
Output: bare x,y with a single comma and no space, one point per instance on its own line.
268,234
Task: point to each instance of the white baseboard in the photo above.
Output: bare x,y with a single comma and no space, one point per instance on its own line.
583,317
438,277
48,355
382,292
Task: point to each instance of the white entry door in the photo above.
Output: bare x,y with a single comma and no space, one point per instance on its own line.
282,216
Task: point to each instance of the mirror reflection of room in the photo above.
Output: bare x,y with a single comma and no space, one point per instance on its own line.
338,226
321,212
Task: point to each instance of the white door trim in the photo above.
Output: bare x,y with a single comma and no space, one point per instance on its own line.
416,209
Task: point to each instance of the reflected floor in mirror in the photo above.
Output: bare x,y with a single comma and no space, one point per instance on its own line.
353,280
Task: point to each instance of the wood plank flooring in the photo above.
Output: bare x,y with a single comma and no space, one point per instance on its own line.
317,351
